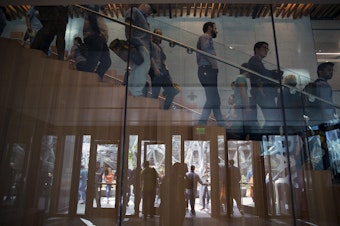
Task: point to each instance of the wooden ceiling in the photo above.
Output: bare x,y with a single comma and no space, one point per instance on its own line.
210,10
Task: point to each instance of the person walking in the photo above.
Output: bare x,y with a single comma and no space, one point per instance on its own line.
159,73
96,35
235,178
191,188
142,41
263,91
207,74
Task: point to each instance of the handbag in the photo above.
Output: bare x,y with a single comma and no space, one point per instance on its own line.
121,48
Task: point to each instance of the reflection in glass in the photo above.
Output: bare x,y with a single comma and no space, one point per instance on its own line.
242,154
107,155
333,144
15,175
46,171
84,165
66,175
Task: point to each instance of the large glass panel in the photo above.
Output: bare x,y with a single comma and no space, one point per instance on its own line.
107,155
83,174
16,172
197,155
133,196
66,174
267,103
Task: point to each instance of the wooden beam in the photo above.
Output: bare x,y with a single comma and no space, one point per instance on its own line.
213,10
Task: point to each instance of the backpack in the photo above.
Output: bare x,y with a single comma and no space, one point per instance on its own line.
82,48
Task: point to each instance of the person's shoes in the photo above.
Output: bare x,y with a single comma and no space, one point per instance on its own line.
241,212
202,208
193,213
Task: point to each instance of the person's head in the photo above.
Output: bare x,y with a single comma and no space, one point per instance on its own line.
146,9
77,41
325,70
155,38
290,80
192,168
146,164
261,49
231,162
243,71
210,29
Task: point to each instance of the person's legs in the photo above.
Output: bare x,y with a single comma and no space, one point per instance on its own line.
94,45
203,77
192,202
104,61
60,41
169,90
138,75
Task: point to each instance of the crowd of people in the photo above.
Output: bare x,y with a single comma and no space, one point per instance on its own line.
254,92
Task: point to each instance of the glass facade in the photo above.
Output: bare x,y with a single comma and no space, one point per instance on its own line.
232,108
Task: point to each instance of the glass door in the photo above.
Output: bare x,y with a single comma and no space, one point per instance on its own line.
103,176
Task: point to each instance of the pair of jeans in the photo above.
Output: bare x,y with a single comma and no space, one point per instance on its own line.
208,79
138,75
165,81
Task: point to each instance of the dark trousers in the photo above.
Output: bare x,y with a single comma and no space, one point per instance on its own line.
46,35
191,196
98,52
208,79
148,202
164,80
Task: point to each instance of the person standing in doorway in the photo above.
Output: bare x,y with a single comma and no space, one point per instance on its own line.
98,183
82,185
191,188
108,179
149,184
235,178
207,74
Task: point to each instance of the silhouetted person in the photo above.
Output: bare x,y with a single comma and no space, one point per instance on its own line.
207,74
54,20
173,203
319,111
98,183
149,184
235,178
263,91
